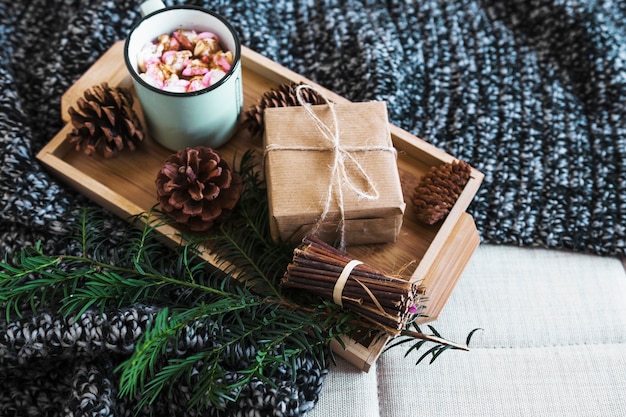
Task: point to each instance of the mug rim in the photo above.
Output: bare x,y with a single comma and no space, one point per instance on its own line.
224,79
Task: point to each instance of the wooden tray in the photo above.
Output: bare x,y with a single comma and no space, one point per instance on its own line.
433,255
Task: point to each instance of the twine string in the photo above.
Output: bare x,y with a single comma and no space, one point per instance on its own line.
372,297
340,284
339,174
341,281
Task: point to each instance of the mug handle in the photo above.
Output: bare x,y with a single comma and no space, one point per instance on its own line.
150,6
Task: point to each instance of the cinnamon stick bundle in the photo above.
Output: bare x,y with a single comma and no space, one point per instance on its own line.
323,270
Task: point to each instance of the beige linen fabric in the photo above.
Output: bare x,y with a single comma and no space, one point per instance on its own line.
553,344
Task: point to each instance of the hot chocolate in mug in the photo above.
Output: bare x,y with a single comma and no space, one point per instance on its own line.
195,117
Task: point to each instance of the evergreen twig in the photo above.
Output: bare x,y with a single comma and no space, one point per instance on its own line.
192,298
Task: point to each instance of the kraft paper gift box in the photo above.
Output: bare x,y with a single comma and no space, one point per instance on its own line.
303,177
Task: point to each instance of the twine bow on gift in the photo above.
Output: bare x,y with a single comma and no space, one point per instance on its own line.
340,174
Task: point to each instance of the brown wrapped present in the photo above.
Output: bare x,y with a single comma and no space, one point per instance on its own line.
320,159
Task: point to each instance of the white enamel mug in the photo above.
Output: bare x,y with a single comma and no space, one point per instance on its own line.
207,117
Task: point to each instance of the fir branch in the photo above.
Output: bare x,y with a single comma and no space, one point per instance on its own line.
264,326
244,241
75,283
414,336
194,299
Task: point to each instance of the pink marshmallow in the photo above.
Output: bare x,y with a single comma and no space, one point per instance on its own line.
207,35
222,62
190,71
176,85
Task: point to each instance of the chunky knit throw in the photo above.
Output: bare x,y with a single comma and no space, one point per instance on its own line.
530,92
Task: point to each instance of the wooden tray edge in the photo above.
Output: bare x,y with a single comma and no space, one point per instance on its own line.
361,356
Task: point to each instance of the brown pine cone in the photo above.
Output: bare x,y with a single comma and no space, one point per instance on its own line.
105,120
197,188
282,96
438,190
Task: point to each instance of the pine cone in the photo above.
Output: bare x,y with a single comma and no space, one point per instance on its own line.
197,188
105,119
437,191
282,96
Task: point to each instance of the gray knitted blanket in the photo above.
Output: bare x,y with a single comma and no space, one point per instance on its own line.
530,92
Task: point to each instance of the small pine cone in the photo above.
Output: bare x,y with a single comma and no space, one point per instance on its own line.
197,188
438,190
282,96
105,120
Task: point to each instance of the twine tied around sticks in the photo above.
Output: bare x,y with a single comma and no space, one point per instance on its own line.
341,281
323,270
339,174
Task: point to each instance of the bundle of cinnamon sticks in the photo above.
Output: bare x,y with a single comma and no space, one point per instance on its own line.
330,273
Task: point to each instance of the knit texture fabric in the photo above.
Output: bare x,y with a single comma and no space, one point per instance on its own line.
532,93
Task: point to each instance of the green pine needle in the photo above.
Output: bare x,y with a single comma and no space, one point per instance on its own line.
192,299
